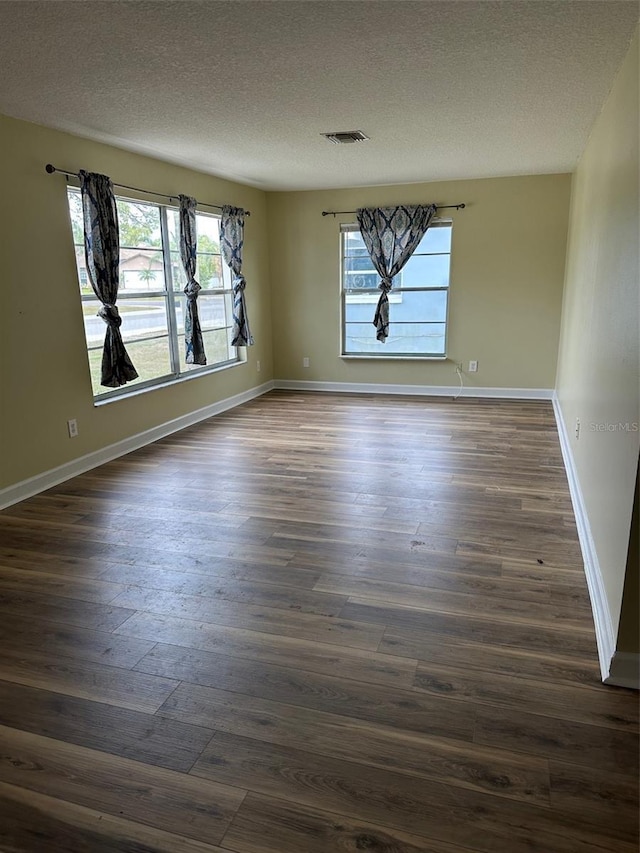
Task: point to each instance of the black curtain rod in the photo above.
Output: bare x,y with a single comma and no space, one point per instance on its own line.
438,206
51,169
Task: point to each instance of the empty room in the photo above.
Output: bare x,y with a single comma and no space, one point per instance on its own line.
319,426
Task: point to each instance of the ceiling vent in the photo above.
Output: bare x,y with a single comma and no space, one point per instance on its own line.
345,137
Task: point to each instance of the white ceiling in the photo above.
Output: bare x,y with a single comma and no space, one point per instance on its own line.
244,89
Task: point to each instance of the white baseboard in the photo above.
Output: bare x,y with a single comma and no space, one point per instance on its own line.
605,634
41,482
625,670
414,390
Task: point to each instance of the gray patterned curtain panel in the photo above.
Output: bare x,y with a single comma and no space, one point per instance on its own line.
194,345
231,243
102,253
391,235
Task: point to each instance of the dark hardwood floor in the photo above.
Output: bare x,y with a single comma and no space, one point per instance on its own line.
314,624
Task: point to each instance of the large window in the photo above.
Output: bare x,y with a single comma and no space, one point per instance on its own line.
150,299
417,303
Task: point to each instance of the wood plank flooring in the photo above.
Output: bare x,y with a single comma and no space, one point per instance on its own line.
314,624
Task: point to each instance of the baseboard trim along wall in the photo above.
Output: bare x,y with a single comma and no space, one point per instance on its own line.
624,670
619,668
34,485
414,390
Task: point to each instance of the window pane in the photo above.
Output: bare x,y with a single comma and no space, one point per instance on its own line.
437,239
358,263
142,317
359,312
139,224
209,262
218,344
150,358
361,280
141,269
421,306
213,314
425,271
209,271
173,229
217,347
94,326
178,275
75,213
144,331
404,338
208,229
213,311
418,307
354,244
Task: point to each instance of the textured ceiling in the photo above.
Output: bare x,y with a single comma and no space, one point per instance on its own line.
244,89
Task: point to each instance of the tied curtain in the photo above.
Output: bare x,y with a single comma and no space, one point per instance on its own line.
391,235
194,344
231,243
102,255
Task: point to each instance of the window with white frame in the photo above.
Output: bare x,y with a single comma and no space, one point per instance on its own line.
418,301
150,298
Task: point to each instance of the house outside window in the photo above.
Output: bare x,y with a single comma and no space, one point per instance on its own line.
150,298
418,301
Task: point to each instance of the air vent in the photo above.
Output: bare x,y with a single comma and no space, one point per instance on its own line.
345,137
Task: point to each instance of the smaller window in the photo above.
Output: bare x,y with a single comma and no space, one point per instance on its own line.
418,301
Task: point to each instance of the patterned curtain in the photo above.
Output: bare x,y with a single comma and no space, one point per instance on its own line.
391,235
102,254
231,242
194,345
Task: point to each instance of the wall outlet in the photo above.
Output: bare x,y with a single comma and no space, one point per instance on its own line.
72,426
577,428
306,362
473,367
258,366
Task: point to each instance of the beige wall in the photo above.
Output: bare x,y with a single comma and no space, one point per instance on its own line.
598,378
44,374
629,629
507,272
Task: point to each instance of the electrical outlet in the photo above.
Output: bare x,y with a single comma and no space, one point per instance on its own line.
258,366
72,426
577,428
473,367
306,362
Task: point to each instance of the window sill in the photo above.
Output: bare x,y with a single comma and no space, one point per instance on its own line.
136,390
374,357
